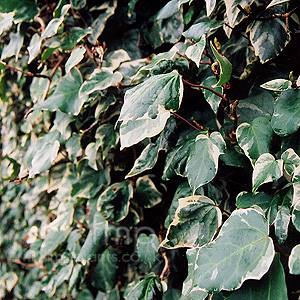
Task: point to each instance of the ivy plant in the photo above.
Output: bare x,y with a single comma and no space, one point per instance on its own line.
149,149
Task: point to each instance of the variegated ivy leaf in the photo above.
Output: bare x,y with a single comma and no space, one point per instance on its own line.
225,66
196,221
296,215
286,116
243,238
147,247
296,186
269,38
115,58
148,106
202,163
291,161
276,85
148,288
100,80
294,261
194,52
266,169
255,139
212,99
66,96
6,20
170,9
210,5
276,2
75,58
113,203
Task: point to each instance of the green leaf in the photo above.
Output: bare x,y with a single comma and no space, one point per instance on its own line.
255,139
271,286
6,20
210,5
243,238
291,161
66,97
225,65
204,26
294,261
90,182
148,288
266,169
99,23
266,202
147,247
14,46
52,240
183,191
147,107
259,103
195,51
115,58
196,221
73,146
113,203
276,85
146,194
105,277
146,160
212,99
95,241
75,58
202,163
24,10
170,9
296,216
269,38
100,80
286,117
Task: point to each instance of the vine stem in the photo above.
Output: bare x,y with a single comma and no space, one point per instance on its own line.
206,88
183,119
24,72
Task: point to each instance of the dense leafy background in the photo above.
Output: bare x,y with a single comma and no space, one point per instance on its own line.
150,150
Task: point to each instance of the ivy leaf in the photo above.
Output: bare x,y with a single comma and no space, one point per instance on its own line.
98,25
104,277
148,288
234,14
147,247
66,97
95,241
196,221
75,58
115,58
291,161
225,65
202,163
23,10
78,4
52,240
266,169
170,9
146,194
212,99
243,238
147,107
189,284
276,85
269,38
271,286
205,25
255,139
6,20
195,51
286,117
294,261
14,46
100,80
113,203
296,216
210,5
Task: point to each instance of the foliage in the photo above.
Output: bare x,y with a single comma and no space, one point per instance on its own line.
149,150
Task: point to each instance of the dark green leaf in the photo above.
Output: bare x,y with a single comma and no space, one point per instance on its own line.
147,248
195,224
